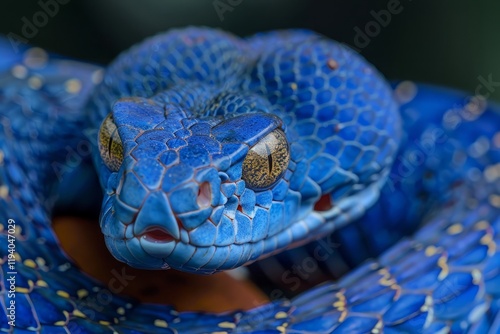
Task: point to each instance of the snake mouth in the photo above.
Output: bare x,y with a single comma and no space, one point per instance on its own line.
157,235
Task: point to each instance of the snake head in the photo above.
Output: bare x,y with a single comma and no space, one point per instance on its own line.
191,193
233,150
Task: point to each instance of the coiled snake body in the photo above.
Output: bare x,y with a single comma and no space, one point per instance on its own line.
214,152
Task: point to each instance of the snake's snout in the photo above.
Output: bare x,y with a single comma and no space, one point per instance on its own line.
154,228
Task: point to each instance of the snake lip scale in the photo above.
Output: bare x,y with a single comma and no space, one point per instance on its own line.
214,151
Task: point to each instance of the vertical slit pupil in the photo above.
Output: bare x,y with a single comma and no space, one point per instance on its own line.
110,142
269,159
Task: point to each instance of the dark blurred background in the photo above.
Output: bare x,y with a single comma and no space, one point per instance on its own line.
446,42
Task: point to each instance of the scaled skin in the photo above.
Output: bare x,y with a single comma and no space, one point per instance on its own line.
214,293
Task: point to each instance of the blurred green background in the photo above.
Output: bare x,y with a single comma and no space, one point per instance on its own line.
445,42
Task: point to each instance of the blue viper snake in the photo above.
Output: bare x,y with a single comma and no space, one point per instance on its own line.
213,152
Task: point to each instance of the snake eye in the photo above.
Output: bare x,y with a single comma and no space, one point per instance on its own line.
266,161
110,144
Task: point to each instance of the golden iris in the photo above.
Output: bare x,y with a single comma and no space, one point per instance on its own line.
110,144
266,162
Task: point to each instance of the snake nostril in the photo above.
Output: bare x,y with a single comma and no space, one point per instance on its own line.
324,203
158,235
204,195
